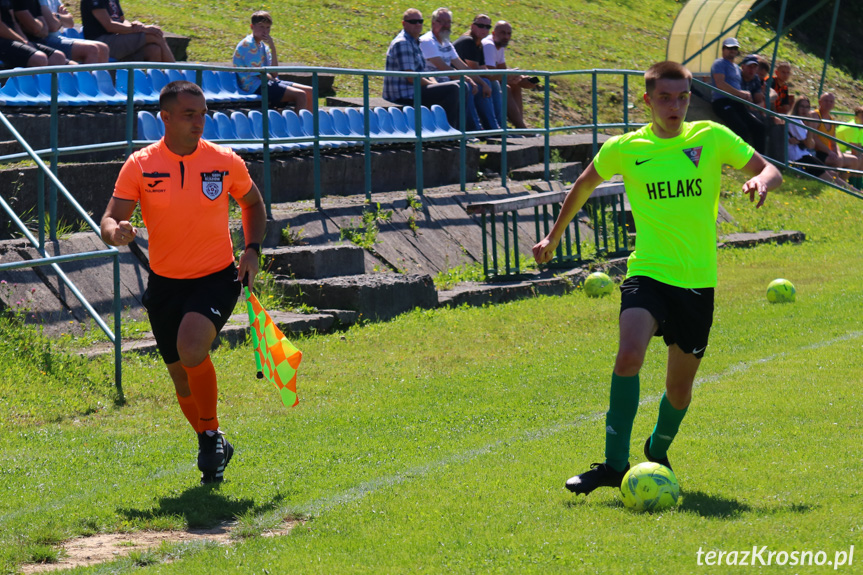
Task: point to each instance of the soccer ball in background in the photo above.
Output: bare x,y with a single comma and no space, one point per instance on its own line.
781,291
649,487
598,284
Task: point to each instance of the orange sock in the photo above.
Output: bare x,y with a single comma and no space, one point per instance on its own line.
190,410
202,382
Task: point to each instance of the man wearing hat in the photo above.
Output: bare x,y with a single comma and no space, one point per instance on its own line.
726,78
750,81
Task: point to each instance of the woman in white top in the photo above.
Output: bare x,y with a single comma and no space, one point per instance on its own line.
801,143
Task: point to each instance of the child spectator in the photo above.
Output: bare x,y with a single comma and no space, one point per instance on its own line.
258,50
784,101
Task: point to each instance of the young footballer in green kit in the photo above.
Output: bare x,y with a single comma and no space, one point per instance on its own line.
671,170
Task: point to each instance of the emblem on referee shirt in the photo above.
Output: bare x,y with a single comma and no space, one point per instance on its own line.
211,183
694,154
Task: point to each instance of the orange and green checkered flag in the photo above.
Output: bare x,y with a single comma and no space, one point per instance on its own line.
276,357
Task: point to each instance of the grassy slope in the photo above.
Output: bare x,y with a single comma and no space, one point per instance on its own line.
550,35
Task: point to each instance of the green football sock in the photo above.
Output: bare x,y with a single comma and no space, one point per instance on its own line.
666,428
622,407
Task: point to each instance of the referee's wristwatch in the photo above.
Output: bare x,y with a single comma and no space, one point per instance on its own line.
255,246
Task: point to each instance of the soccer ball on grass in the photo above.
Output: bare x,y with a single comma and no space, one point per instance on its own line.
781,291
649,487
598,284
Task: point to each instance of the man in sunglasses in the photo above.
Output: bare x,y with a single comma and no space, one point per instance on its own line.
469,49
404,55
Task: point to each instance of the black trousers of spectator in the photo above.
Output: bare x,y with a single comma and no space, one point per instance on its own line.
741,121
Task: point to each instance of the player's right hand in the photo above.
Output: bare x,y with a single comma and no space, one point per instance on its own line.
544,250
124,234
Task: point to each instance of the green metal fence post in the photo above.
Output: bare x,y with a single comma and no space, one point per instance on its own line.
829,45
367,141
462,145
52,190
484,246
547,135
130,110
317,131
118,339
265,120
515,241
503,104
418,131
494,244
594,115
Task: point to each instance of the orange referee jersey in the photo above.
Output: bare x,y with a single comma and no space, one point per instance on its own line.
184,202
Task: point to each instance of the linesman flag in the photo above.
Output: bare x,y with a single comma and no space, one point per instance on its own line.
276,357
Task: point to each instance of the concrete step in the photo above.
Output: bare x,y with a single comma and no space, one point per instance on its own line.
374,296
562,171
315,262
522,152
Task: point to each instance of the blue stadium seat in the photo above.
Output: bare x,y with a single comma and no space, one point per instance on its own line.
159,79
399,122
213,90
160,124
295,128
308,123
274,119
67,89
143,88
224,127
189,75
88,87
210,130
385,121
442,122
230,85
243,127
355,120
148,128
175,75
429,128
106,87
327,128
340,122
13,94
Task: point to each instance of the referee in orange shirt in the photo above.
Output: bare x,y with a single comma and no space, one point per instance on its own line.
183,183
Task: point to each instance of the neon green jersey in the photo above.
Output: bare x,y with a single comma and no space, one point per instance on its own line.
851,134
673,189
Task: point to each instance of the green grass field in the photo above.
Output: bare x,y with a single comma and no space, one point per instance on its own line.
440,441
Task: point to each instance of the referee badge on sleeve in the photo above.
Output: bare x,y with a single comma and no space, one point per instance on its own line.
211,183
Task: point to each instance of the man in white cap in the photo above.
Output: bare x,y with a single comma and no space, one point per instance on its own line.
725,76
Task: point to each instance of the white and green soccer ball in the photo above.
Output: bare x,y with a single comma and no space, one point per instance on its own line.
598,284
649,487
781,291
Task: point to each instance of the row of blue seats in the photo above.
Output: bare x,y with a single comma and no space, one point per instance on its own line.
386,125
98,89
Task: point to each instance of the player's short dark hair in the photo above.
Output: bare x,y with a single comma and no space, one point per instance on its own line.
667,70
171,91
262,16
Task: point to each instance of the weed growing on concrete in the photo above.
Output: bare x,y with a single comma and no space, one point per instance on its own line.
366,234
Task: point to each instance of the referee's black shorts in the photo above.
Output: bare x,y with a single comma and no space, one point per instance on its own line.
684,316
168,300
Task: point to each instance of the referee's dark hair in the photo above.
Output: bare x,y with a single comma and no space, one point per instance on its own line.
171,91
667,70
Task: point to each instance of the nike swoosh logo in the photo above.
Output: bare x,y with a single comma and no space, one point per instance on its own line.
639,162
216,312
696,351
154,184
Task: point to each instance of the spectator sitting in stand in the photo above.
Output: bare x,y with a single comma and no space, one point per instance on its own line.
853,134
29,14
784,101
405,55
105,22
750,81
826,149
258,50
725,76
440,55
469,49
801,142
764,74
16,51
494,48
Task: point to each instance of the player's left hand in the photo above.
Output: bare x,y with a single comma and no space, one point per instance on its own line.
248,264
756,185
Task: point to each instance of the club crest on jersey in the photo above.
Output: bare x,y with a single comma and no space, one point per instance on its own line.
211,183
694,154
